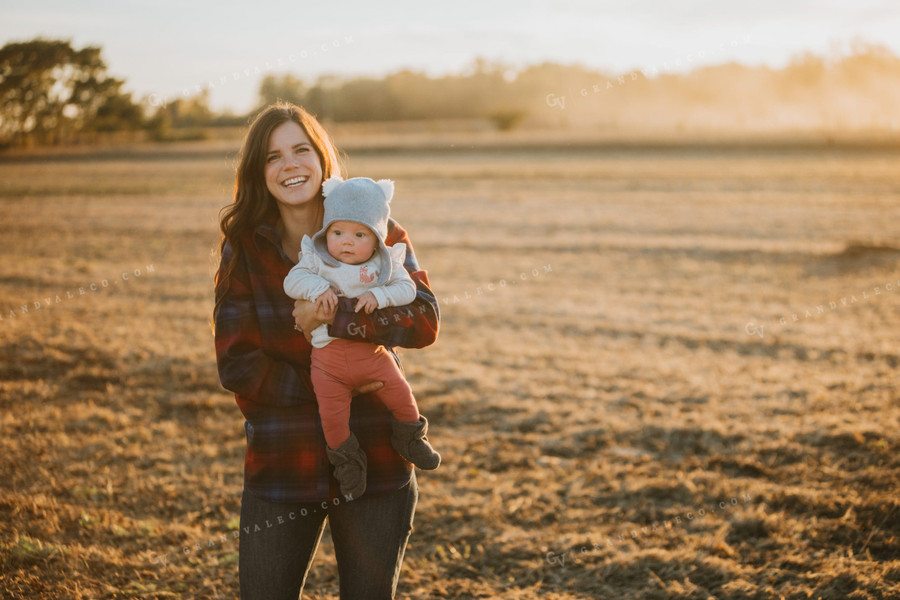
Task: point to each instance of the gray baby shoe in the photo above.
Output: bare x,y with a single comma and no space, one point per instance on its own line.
410,442
349,467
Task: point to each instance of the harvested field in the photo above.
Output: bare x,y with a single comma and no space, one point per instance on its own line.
662,373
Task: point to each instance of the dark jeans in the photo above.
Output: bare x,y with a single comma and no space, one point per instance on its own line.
278,542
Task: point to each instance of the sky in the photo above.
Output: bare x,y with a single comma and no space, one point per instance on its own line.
165,49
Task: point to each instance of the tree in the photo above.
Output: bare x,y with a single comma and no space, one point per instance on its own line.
117,114
49,91
182,119
287,87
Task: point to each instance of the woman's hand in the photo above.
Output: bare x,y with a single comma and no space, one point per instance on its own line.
307,317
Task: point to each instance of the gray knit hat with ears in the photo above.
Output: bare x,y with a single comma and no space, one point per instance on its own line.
360,200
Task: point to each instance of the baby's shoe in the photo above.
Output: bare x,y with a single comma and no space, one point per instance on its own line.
409,440
349,467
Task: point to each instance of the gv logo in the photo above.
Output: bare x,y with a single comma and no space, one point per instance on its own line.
354,329
751,329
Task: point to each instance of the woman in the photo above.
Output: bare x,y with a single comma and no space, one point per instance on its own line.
263,355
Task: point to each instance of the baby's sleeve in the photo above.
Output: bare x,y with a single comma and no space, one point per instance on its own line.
400,289
304,281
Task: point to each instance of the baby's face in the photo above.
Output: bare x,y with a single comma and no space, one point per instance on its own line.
349,242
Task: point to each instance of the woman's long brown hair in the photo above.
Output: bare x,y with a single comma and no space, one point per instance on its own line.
253,204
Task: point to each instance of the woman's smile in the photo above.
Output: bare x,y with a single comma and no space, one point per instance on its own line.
294,181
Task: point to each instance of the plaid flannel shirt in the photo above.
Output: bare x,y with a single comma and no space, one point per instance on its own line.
266,362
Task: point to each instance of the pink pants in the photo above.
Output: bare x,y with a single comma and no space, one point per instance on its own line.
343,365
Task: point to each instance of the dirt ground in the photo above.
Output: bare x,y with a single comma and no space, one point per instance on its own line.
661,373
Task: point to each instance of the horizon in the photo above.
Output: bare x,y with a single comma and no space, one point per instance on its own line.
231,52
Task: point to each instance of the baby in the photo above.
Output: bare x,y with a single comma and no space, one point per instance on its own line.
348,257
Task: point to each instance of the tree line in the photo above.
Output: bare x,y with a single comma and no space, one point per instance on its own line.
52,93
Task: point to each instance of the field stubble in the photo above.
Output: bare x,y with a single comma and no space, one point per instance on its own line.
626,404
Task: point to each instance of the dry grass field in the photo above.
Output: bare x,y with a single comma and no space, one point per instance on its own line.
626,405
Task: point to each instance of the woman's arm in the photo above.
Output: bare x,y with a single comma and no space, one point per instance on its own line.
412,326
244,367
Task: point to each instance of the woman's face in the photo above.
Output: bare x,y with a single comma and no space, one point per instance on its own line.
293,171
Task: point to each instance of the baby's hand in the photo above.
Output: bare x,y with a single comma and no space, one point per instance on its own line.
327,300
366,302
